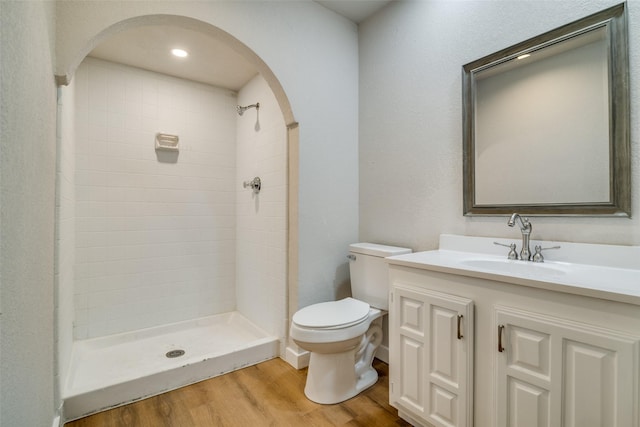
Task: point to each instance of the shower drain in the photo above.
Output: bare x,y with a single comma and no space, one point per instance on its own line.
174,353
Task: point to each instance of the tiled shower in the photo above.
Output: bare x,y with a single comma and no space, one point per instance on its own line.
147,238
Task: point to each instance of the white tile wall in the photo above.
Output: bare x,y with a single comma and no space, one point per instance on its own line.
155,239
262,218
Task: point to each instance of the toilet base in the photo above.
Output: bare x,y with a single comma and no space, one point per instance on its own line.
332,378
336,377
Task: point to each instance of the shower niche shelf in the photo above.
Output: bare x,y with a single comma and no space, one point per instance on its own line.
167,142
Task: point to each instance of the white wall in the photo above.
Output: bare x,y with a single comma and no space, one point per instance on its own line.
261,242
155,231
314,54
411,58
27,175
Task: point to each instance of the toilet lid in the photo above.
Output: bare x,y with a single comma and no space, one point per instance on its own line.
332,314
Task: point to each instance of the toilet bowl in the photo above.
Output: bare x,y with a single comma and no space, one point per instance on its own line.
343,336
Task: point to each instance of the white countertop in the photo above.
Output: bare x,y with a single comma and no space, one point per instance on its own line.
606,271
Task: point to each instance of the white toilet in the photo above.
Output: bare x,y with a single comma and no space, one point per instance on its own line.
342,336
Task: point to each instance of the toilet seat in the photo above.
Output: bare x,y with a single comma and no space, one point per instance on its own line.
332,315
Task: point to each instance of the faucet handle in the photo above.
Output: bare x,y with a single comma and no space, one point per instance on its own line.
512,252
537,257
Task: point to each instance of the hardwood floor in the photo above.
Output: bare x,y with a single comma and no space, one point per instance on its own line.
267,394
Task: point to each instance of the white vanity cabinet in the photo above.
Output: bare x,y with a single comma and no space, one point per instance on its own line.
431,358
555,372
530,357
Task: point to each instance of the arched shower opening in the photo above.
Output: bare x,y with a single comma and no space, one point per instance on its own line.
169,271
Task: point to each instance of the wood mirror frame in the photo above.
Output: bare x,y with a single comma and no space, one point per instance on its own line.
613,22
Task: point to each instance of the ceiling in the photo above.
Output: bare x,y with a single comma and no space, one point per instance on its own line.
149,47
210,61
356,10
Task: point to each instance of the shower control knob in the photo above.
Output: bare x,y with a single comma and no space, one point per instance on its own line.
255,184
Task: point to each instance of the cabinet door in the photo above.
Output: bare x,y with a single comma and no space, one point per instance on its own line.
555,372
431,357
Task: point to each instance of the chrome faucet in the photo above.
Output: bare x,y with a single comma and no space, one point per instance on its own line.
525,228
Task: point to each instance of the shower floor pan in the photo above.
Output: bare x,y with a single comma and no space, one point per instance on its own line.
118,369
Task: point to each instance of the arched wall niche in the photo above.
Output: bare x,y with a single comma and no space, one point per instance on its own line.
314,54
69,63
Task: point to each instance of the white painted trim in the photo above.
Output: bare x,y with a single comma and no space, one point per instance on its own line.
409,418
56,421
382,353
297,359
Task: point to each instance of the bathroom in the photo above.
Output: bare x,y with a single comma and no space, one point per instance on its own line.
379,142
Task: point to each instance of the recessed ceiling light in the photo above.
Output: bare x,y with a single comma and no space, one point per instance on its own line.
526,55
180,53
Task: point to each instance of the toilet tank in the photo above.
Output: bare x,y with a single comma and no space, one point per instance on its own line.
369,272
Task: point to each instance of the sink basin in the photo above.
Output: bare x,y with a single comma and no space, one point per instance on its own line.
508,266
600,271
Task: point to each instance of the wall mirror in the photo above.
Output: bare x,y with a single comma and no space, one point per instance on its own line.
546,123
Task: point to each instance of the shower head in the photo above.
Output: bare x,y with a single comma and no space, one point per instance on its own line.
241,109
